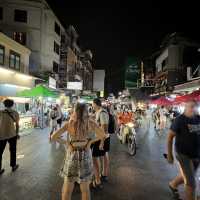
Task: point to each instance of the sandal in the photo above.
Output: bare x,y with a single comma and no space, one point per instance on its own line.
96,186
175,193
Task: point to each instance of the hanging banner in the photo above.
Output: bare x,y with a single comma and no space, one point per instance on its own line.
132,73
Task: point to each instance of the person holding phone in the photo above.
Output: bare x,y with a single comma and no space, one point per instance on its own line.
9,133
185,129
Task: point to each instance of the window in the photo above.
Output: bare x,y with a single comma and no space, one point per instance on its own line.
20,37
1,13
55,67
14,60
164,63
21,16
56,48
63,38
2,53
57,28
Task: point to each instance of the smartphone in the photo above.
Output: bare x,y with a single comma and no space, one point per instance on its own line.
165,155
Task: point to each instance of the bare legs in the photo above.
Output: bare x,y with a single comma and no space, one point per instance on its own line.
105,161
68,188
189,193
189,190
85,190
178,180
97,167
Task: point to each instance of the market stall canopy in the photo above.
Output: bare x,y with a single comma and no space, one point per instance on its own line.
38,91
88,99
188,97
162,101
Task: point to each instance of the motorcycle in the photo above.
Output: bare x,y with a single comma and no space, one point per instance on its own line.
127,135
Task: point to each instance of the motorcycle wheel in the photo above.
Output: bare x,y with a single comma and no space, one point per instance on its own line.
132,149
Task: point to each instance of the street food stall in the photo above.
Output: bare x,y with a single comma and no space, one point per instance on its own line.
39,96
23,107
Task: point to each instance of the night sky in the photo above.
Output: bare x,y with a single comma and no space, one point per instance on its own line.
115,30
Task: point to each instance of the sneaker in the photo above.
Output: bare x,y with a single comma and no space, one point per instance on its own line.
15,168
2,171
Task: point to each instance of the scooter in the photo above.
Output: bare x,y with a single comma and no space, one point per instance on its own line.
127,135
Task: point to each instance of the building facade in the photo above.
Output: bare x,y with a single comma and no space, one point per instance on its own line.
34,25
176,54
14,65
54,50
75,64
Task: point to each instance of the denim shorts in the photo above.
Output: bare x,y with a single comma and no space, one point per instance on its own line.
189,167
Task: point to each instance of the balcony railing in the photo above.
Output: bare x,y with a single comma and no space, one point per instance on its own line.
146,83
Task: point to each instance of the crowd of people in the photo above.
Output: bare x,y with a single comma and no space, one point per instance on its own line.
163,117
87,157
88,145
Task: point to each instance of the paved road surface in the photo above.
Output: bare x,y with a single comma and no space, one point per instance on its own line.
142,177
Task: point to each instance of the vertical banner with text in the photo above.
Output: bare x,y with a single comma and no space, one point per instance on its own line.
132,73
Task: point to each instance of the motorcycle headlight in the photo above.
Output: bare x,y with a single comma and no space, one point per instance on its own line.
130,125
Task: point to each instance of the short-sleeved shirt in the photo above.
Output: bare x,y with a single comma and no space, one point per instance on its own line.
102,117
7,123
187,135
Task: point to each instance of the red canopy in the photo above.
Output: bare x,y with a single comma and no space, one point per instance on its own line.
195,95
188,97
162,101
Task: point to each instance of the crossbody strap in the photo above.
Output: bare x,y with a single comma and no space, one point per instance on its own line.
102,111
10,115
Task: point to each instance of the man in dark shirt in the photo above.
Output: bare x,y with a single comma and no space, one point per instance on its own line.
186,131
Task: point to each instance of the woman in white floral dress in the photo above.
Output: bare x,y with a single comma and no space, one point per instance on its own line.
78,165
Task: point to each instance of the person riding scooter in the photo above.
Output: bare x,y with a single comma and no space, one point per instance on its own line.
125,117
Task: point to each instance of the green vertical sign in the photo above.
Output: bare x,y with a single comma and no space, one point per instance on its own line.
132,73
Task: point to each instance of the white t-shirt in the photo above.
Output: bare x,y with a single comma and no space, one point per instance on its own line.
102,117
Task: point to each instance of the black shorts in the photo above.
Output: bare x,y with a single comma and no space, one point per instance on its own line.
95,148
59,121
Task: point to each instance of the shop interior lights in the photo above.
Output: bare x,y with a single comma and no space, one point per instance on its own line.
6,71
16,86
23,76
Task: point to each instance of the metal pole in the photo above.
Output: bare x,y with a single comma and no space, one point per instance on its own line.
142,73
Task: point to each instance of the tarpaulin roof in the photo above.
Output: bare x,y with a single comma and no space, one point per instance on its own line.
37,92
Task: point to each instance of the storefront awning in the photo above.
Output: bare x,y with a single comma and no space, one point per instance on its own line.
38,91
188,86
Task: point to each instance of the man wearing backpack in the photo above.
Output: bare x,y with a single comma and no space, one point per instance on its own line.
102,118
9,130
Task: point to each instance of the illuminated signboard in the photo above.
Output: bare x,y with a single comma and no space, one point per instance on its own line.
74,85
52,83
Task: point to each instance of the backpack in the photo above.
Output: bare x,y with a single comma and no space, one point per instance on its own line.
111,123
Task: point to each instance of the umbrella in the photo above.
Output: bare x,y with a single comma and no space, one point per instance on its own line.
162,101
